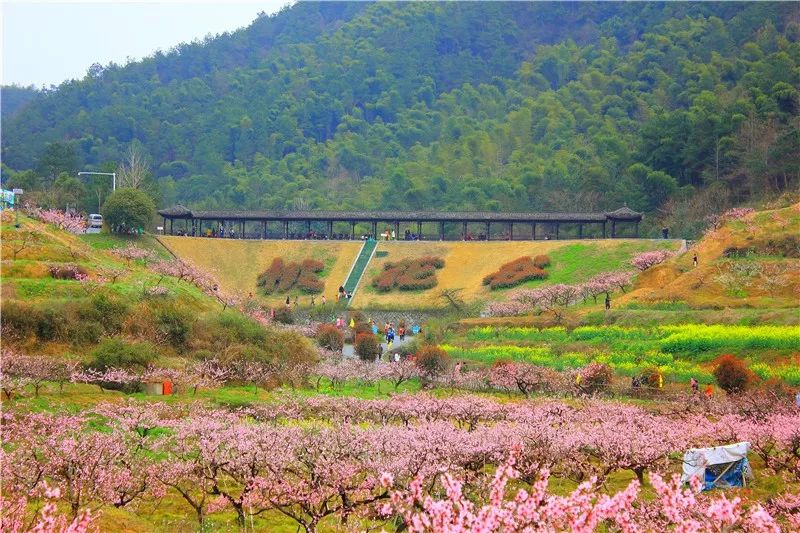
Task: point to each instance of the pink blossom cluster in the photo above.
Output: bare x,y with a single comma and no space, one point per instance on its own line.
584,511
110,274
738,213
645,260
14,516
18,372
157,292
134,253
546,298
209,373
607,282
527,379
71,222
715,221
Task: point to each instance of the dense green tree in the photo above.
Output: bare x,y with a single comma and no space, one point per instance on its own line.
128,209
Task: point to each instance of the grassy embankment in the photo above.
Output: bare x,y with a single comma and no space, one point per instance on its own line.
467,263
237,263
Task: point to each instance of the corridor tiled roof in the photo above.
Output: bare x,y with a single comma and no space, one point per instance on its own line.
180,211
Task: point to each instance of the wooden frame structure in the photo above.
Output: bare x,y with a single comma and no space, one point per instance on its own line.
536,226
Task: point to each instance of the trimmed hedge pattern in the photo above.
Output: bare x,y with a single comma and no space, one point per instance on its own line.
282,276
518,271
409,274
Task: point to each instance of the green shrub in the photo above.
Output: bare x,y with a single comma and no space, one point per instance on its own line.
19,320
287,350
174,324
652,377
284,315
109,311
83,333
116,353
790,374
220,331
285,357
53,324
128,209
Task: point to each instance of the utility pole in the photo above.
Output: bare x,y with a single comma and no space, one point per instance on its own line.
17,192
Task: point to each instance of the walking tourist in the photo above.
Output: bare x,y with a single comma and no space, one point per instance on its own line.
312,301
709,391
288,301
694,259
608,301
695,385
401,331
324,300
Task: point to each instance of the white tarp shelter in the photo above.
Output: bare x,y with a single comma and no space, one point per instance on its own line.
719,466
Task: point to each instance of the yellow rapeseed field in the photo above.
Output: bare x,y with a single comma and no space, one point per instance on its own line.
237,263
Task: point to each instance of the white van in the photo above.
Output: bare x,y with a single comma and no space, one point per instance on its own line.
95,220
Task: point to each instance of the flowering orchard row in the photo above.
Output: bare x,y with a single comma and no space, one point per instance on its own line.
71,222
22,373
261,459
556,297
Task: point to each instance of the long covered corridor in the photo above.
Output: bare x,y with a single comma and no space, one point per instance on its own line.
399,225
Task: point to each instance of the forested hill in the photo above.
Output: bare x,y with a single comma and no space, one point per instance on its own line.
491,106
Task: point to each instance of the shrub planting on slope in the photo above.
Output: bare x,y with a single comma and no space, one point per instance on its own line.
518,271
409,274
284,276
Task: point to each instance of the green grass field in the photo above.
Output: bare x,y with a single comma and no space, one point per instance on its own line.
109,241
